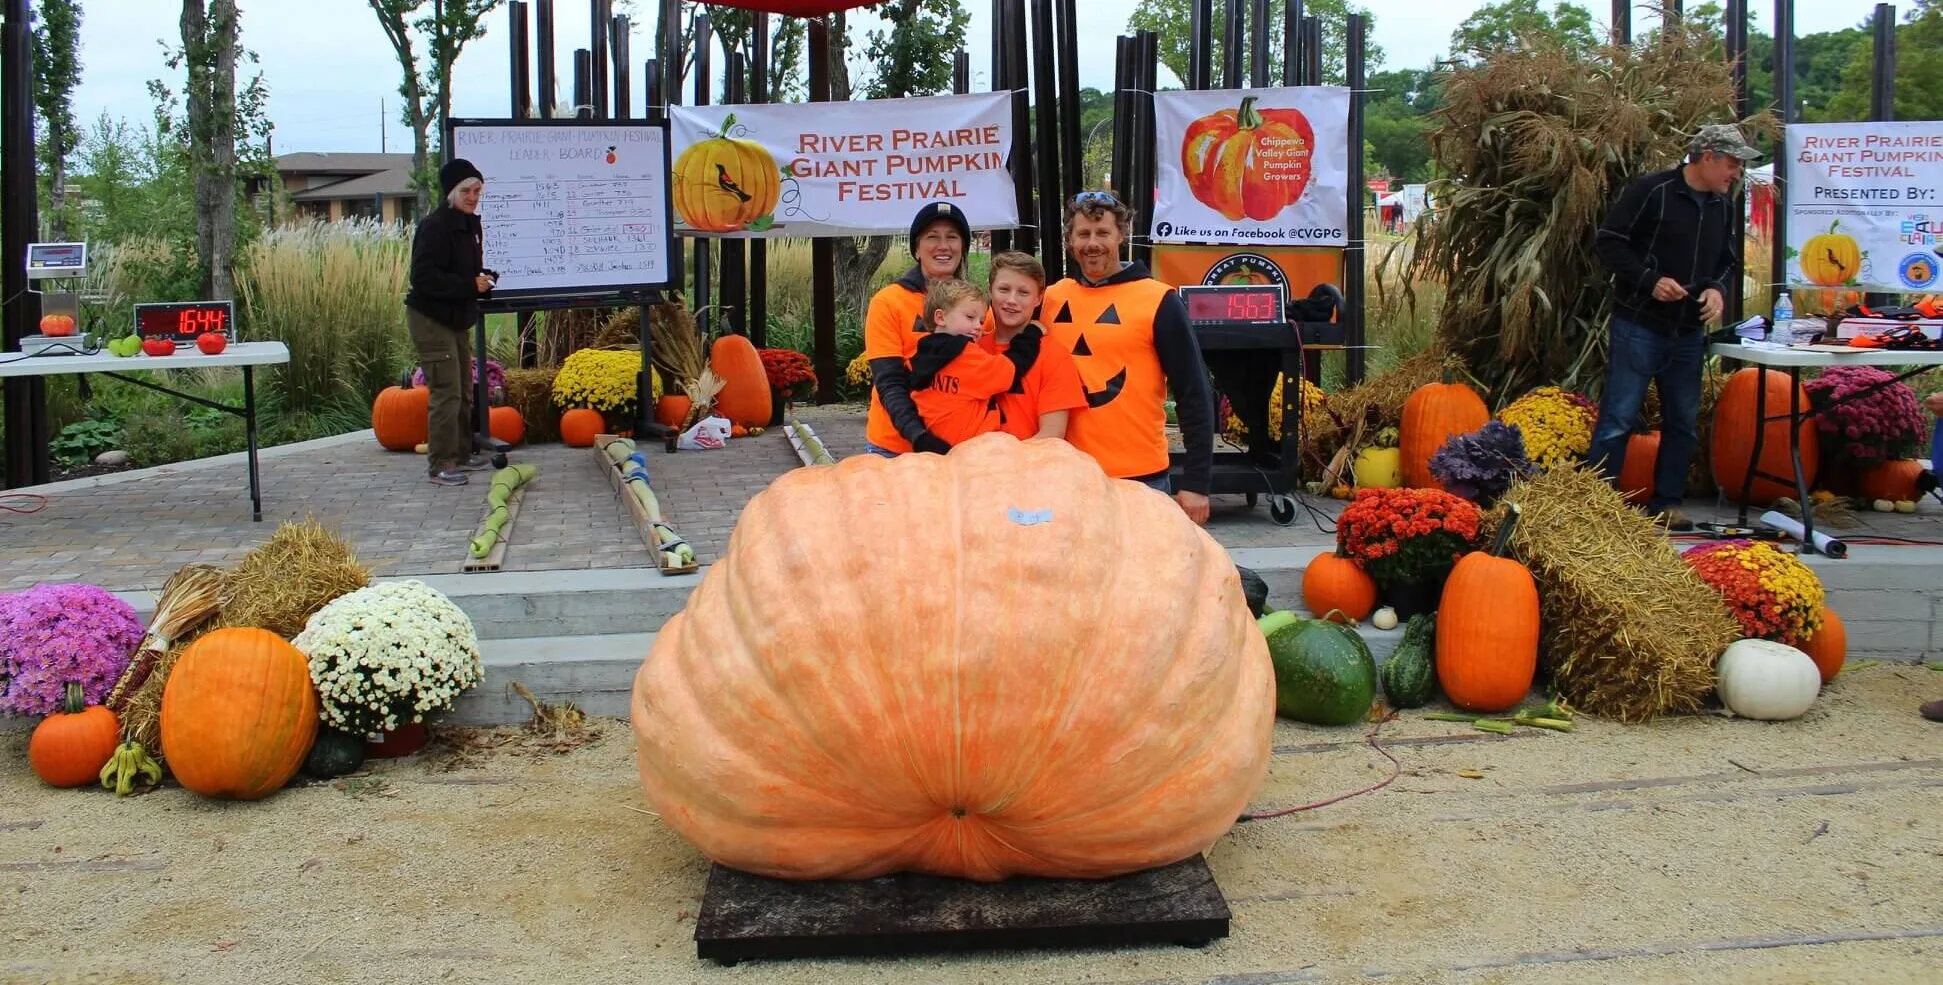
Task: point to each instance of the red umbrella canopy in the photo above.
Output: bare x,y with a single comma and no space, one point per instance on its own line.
798,8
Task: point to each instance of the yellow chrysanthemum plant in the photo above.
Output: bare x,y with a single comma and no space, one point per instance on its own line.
1556,425
1234,433
603,379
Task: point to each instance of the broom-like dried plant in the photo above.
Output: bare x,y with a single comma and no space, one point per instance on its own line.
188,599
677,349
1535,145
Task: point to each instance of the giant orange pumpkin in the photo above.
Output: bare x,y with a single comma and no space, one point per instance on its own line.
238,713
1733,438
1332,583
1247,161
724,183
1636,476
1893,480
917,708
1829,647
401,417
1487,629
580,426
1431,415
745,397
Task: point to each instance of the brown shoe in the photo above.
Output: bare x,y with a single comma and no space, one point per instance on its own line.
1933,710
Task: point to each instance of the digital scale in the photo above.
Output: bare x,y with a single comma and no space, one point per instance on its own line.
60,319
1238,316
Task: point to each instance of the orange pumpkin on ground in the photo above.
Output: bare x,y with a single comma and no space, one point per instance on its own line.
1337,583
1636,476
506,424
579,427
744,398
238,714
401,417
1891,480
671,409
1733,438
1247,161
910,711
724,183
69,747
1487,629
1431,415
1829,647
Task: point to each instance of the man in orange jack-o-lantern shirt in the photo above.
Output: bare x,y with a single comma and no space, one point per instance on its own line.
1129,334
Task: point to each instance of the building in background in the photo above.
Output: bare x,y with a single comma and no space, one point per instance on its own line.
333,187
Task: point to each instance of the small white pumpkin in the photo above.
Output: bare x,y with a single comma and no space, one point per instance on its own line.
1766,680
1384,618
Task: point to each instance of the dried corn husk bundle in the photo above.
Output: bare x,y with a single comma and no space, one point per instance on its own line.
1627,630
677,349
281,583
1363,410
190,597
529,391
1537,142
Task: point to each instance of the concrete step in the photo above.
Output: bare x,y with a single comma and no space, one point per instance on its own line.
596,673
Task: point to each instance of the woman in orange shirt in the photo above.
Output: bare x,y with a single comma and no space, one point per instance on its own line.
894,324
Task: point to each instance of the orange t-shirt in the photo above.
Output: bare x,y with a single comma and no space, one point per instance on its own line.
1109,329
893,326
958,404
1051,384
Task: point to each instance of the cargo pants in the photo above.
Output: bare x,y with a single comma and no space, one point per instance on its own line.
445,354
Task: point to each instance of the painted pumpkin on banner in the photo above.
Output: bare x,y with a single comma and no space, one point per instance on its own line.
1831,259
1248,162
725,183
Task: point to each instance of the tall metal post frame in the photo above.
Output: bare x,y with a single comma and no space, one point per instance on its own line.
1356,359
1736,30
1784,111
26,397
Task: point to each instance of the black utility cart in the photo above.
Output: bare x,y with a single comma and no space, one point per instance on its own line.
1250,334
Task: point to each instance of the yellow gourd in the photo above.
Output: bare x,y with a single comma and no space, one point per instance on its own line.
1379,468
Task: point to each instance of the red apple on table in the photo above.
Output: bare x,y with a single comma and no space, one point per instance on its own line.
212,342
157,347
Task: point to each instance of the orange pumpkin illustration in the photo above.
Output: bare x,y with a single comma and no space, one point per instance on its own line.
724,183
1247,161
1831,259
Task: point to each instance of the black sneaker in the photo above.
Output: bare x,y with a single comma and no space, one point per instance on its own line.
450,477
474,463
1672,519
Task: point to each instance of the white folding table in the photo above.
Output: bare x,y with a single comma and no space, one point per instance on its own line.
246,355
1794,359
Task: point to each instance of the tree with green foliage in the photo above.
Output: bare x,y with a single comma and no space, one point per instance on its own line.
1172,20
733,28
1919,69
57,70
443,29
208,56
1396,121
1514,25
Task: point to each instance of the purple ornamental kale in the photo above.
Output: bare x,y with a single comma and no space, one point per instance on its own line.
53,634
1481,465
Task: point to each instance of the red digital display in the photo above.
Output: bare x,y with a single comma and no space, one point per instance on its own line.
1239,304
184,321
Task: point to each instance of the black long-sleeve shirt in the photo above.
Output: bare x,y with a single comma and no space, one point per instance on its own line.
1663,227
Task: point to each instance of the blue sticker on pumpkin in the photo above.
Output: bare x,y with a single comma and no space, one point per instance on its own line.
1028,518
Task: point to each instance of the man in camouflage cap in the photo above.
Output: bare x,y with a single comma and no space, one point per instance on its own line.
1670,246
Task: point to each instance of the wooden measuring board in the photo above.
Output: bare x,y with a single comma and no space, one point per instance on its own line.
497,556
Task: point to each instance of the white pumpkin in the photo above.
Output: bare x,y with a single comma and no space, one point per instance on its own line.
1384,618
1767,680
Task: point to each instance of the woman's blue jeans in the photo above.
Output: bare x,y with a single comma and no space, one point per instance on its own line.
1639,356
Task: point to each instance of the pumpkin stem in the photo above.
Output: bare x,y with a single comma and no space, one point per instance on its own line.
76,700
727,123
1248,117
1504,529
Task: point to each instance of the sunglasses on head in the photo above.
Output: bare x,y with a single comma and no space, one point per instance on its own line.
1095,198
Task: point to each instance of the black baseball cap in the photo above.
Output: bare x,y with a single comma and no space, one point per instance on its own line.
940,212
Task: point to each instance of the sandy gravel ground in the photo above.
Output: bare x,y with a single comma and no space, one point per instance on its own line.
1695,850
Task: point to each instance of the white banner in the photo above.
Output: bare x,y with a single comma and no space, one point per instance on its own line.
1865,205
1253,166
851,168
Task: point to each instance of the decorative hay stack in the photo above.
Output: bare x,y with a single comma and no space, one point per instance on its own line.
286,579
1376,402
529,391
1629,631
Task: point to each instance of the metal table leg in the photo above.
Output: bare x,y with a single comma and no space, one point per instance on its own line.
249,432
1760,434
1794,453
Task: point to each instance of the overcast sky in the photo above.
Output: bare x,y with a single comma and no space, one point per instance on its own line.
329,68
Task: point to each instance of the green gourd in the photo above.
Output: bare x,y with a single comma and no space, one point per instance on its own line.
334,754
1410,675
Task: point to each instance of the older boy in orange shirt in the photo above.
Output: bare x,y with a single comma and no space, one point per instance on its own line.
1049,390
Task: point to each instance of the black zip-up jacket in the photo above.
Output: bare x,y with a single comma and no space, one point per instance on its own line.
448,252
1663,227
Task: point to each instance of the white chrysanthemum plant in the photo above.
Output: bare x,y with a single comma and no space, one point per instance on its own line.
389,655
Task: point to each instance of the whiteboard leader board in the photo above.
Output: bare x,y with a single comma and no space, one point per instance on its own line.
572,208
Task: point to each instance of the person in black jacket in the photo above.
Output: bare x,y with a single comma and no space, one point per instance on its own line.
448,278
1670,246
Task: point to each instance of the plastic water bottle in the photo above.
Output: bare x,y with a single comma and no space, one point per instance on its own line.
1783,331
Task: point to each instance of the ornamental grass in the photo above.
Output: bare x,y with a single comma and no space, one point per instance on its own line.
1627,630
1535,143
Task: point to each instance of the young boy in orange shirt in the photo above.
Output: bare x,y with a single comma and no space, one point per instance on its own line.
1049,390
954,381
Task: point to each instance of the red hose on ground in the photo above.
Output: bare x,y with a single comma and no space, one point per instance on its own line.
1396,770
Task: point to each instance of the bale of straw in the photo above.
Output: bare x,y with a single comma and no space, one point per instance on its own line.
622,328
281,583
529,391
1627,630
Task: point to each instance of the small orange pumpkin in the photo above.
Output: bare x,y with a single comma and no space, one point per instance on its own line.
1332,583
1892,480
1487,629
401,417
579,427
506,424
744,398
1636,476
1247,161
671,409
238,714
1733,438
1431,415
69,747
1829,647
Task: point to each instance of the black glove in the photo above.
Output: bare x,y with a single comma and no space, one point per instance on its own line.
926,441
1023,352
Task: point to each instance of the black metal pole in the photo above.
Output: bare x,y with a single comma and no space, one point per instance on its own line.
670,53
583,83
651,91
1311,51
1291,40
1200,57
1882,94
1258,44
522,63
623,96
600,21
703,281
549,86
1121,168
1071,141
733,294
1736,29
1622,22
26,397
1025,164
759,247
1002,238
1355,361
823,254
1046,142
1148,65
1784,111
961,72
1233,42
